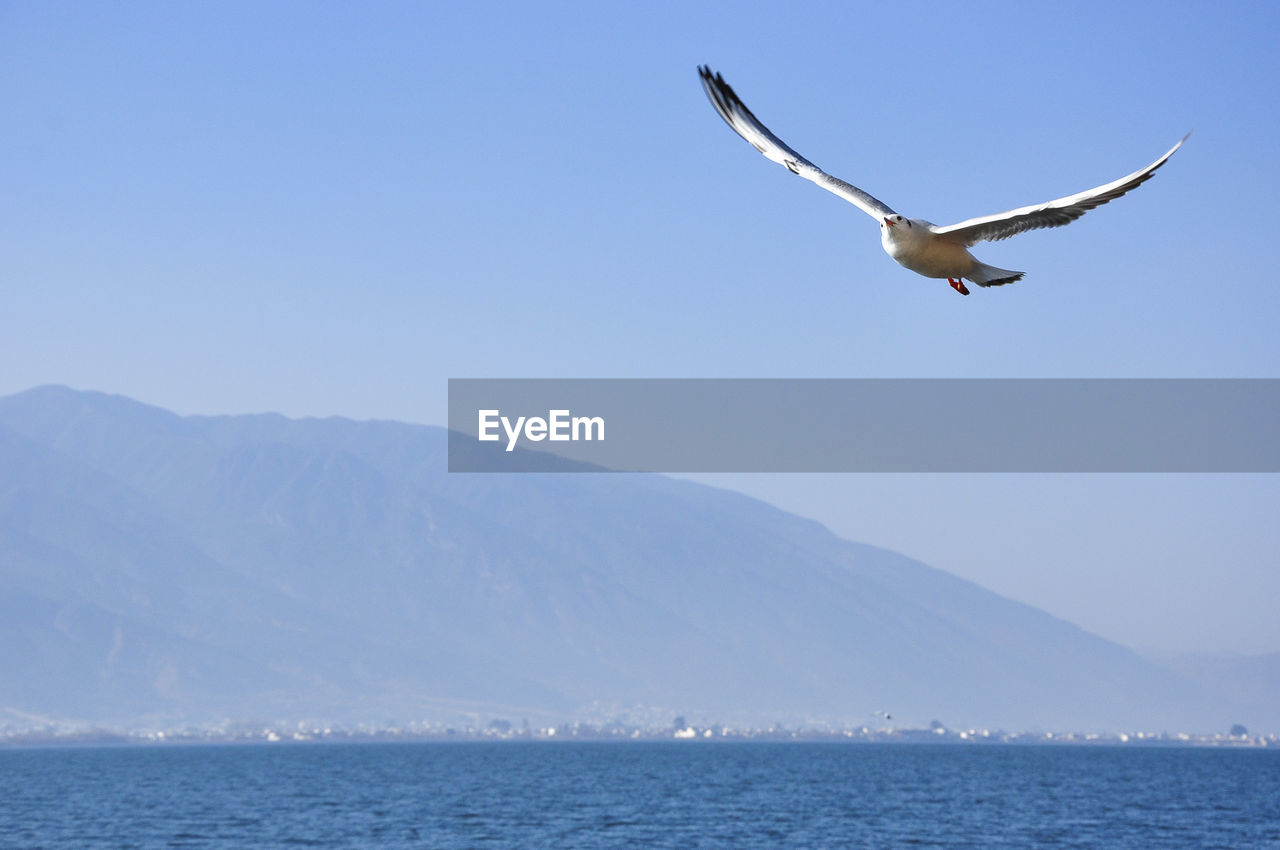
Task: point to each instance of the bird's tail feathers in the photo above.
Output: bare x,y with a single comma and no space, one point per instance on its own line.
985,275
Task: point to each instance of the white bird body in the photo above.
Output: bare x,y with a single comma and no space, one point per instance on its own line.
916,244
910,243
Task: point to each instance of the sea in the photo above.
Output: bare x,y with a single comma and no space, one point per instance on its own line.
741,795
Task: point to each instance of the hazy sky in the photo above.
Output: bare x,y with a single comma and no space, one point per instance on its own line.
332,208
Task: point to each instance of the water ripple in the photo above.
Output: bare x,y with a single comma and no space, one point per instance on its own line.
571,795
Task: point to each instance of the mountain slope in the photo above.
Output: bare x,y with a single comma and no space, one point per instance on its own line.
262,566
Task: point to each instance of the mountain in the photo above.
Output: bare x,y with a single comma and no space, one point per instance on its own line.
158,567
1251,683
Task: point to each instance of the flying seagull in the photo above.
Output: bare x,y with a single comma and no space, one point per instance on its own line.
919,245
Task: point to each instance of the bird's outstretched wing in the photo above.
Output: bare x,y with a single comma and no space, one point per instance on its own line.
736,115
1051,213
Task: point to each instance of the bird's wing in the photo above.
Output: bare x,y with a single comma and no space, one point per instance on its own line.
736,115
1051,213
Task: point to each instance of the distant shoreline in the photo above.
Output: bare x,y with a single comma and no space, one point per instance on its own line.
271,736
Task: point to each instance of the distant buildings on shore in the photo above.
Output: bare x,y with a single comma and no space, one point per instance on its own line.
240,733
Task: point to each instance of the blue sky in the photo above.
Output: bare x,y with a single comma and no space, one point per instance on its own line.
331,209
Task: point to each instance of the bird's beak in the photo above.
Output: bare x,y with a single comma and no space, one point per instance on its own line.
890,223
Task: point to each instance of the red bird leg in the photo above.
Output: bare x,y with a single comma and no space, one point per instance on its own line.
958,285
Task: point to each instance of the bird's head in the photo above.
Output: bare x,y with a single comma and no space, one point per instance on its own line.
897,228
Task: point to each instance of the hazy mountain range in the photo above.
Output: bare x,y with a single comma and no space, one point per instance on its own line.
158,568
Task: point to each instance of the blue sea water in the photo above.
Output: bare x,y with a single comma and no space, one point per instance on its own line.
649,795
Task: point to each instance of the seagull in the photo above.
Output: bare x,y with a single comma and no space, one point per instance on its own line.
916,244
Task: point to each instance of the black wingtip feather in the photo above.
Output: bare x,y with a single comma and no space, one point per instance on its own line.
724,98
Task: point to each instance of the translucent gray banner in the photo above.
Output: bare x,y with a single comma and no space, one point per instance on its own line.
854,425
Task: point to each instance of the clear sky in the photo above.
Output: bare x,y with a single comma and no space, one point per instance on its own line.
324,208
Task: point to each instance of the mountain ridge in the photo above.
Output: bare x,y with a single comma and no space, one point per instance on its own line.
332,567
